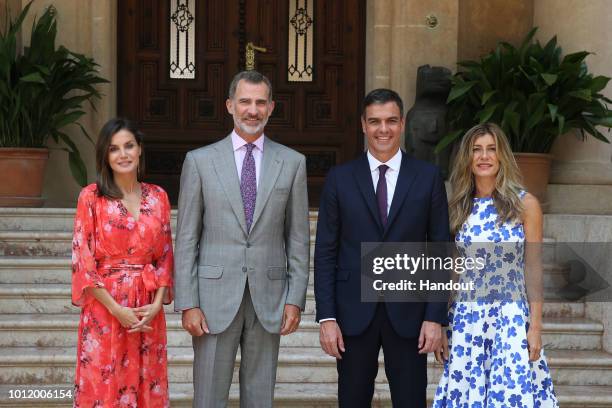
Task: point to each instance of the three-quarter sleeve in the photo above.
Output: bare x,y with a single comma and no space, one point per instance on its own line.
84,270
164,257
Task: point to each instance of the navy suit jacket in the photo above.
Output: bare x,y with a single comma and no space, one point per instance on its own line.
348,216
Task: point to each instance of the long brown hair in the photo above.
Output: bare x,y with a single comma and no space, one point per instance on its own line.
508,184
104,174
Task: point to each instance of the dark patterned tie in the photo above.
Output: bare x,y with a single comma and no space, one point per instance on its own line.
248,185
381,193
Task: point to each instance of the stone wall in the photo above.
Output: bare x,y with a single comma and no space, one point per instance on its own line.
398,41
482,23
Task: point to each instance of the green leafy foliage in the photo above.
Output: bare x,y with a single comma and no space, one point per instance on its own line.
531,92
43,89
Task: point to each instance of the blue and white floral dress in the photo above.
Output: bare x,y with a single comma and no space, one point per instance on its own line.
488,365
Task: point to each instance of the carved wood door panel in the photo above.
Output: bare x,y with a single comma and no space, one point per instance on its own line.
319,118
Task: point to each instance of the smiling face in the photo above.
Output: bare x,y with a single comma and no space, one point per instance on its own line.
250,108
383,124
124,153
485,162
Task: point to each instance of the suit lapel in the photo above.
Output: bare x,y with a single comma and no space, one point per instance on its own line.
363,177
225,166
405,178
271,166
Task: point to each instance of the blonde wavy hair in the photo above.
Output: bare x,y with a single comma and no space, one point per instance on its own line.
508,184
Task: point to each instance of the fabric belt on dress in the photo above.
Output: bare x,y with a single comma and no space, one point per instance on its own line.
139,266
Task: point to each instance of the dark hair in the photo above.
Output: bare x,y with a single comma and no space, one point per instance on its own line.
104,174
382,96
253,77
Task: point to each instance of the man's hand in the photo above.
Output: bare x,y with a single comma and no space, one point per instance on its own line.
330,338
430,338
195,322
291,319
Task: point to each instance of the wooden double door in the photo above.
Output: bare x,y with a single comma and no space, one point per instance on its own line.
319,118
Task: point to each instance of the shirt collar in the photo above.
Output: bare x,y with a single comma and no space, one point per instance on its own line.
238,142
394,163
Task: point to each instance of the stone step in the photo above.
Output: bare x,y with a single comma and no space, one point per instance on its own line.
51,365
56,298
45,270
59,330
50,244
48,270
40,270
579,199
301,395
15,243
36,219
36,298
35,243
62,219
32,243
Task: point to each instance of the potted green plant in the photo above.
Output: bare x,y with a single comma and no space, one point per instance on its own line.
535,95
42,90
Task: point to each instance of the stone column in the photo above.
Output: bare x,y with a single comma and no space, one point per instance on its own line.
581,179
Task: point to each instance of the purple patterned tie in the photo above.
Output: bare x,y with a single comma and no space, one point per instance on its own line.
248,185
381,193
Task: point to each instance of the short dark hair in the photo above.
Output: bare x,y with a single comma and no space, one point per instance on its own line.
253,77
382,96
104,174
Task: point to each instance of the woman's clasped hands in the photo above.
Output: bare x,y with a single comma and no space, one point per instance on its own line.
136,319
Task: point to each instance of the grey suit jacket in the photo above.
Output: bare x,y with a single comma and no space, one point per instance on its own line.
215,254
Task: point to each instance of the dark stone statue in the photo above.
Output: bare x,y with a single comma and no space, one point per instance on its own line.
426,120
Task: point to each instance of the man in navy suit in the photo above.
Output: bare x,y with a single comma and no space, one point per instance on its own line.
382,196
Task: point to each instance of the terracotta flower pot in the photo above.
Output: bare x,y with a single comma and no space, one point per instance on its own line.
535,169
21,176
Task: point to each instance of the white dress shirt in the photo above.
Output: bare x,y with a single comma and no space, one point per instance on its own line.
240,151
391,175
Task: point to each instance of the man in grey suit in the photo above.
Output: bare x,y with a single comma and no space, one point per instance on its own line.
242,250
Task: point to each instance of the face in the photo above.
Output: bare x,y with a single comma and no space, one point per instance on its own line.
383,125
124,153
484,157
250,109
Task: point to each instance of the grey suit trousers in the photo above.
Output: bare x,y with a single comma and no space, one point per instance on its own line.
215,355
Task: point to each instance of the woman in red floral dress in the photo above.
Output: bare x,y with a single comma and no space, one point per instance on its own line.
121,277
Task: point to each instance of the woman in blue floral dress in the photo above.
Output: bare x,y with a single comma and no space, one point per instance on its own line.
492,354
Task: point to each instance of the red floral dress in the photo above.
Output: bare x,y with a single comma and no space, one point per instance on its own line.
131,259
